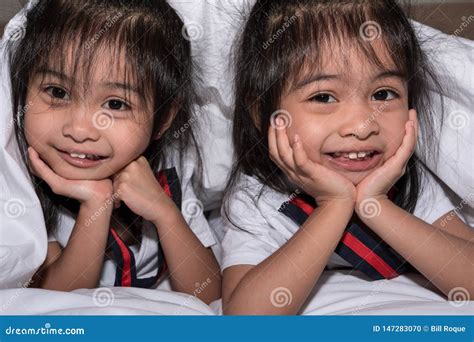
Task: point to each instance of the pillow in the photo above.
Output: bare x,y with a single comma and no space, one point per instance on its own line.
22,230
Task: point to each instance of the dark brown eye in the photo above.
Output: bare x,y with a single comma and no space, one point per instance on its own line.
57,93
323,98
384,95
117,105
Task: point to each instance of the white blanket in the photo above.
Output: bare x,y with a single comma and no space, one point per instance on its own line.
337,293
101,301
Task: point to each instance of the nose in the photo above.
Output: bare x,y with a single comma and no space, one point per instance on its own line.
360,121
80,127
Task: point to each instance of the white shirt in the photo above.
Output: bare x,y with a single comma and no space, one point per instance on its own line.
263,229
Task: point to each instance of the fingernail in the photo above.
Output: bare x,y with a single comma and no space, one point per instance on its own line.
296,138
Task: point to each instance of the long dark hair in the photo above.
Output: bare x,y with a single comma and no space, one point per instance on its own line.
282,37
158,60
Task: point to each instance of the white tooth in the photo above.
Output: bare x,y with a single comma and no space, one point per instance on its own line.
353,155
80,155
74,155
361,154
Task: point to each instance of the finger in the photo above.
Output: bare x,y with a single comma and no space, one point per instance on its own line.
116,194
272,146
42,170
285,152
300,157
413,115
408,145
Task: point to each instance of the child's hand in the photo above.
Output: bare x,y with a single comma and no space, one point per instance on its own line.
84,191
378,183
322,184
138,188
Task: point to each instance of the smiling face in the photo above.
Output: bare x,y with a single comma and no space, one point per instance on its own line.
349,114
87,129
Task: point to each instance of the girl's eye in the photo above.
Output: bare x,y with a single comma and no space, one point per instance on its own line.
117,105
57,93
323,98
384,95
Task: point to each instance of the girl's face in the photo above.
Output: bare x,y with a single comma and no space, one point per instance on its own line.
350,115
86,132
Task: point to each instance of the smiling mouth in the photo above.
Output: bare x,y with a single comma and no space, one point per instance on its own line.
354,161
354,155
80,159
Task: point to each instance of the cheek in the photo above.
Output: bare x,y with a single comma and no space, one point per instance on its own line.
130,142
38,128
394,132
311,135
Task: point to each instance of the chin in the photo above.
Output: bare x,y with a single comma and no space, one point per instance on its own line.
74,173
356,177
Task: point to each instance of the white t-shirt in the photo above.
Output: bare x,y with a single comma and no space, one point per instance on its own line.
145,253
263,229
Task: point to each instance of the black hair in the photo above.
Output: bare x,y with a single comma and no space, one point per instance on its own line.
281,38
158,60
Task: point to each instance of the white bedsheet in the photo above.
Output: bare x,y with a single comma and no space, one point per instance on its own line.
338,292
101,301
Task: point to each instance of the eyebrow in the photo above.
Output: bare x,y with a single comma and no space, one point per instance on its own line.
64,77
54,73
324,77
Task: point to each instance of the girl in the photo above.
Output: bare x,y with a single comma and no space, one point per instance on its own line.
330,97
103,86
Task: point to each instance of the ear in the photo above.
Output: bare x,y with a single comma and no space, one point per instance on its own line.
172,114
